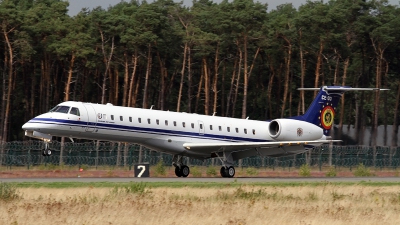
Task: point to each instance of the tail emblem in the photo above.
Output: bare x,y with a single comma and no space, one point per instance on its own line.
327,115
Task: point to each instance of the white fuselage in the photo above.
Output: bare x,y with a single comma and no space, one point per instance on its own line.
163,131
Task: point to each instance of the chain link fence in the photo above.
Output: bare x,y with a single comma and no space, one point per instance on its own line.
110,154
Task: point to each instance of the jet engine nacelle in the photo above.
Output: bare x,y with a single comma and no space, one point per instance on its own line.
294,130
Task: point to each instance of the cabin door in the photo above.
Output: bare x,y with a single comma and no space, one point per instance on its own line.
91,118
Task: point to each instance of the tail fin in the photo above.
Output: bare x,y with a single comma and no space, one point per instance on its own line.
322,110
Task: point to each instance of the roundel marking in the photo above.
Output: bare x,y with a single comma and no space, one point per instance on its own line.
327,116
299,132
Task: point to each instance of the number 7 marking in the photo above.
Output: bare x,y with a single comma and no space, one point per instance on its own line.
143,168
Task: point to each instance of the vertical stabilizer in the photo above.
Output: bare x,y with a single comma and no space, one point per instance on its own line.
322,110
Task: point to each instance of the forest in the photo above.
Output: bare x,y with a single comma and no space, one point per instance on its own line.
235,58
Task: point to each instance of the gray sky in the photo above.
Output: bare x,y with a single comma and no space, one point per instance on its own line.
75,6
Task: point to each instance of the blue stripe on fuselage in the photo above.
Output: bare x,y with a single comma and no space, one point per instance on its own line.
116,127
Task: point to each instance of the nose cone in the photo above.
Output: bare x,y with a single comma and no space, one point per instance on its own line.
28,126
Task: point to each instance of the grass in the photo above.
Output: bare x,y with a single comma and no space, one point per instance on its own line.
331,172
211,171
8,192
138,203
362,171
251,171
196,171
131,188
305,170
159,169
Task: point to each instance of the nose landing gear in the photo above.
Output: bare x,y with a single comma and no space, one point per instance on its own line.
46,151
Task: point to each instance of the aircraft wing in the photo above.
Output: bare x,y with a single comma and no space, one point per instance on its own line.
240,146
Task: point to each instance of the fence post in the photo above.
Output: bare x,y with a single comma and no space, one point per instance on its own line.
335,160
320,163
29,158
273,165
130,159
79,159
7,159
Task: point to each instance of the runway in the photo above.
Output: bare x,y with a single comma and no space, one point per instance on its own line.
208,180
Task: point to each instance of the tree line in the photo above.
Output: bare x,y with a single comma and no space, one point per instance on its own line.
236,58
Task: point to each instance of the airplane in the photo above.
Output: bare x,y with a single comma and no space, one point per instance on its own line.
192,135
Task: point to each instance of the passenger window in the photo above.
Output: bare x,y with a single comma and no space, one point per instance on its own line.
228,129
112,117
201,126
183,124
148,121
121,118
140,120
193,125
237,130
220,128
166,122
75,111
175,123
254,132
130,119
245,130
210,127
158,122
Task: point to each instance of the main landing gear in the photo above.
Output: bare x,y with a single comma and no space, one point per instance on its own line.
181,170
227,171
46,151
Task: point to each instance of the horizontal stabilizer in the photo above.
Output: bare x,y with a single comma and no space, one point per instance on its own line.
343,89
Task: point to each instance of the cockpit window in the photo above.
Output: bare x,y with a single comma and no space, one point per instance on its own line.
75,111
60,109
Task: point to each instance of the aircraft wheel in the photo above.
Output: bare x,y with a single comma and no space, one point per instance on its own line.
185,171
178,171
223,171
48,152
44,152
230,172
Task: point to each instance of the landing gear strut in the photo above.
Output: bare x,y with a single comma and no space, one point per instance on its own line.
181,170
46,151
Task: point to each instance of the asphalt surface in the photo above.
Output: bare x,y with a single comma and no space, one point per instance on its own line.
215,180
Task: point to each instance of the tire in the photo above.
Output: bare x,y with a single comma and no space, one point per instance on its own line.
230,172
48,152
185,171
223,171
44,152
178,171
